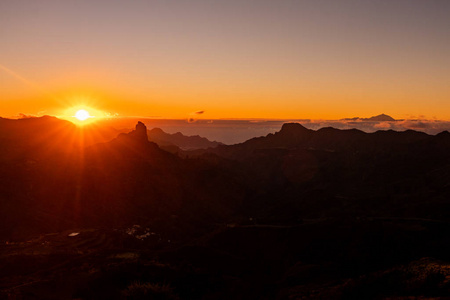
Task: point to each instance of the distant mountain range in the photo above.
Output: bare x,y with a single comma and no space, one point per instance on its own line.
49,135
296,136
179,140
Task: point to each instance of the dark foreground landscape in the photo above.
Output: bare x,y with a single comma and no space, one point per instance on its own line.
95,213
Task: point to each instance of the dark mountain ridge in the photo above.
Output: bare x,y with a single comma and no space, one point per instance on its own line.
183,142
296,136
58,181
48,136
326,214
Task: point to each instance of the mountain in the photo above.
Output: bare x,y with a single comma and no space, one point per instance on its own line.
343,213
296,136
378,118
332,172
183,142
47,136
52,177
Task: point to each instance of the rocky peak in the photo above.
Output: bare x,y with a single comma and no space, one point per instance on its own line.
140,133
291,129
380,118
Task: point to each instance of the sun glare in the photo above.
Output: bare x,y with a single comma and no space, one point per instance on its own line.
82,115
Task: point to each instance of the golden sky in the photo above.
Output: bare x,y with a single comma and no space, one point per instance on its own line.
232,59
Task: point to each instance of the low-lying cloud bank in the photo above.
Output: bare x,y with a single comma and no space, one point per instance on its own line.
428,126
238,131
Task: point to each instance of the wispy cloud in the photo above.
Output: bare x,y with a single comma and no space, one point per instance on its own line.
193,116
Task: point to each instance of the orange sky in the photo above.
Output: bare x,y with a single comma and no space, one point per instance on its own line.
239,59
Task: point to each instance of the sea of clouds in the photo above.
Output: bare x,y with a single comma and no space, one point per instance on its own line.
238,131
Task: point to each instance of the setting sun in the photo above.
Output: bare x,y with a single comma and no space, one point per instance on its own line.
82,115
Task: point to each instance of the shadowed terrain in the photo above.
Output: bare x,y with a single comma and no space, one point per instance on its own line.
300,214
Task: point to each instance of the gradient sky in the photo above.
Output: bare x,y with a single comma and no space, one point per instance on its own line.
232,59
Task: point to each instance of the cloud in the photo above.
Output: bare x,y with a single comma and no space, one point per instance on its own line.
428,126
25,116
110,115
416,124
382,125
193,116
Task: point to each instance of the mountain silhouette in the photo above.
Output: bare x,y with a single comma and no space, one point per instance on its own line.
140,133
378,118
133,145
348,213
179,140
48,136
296,136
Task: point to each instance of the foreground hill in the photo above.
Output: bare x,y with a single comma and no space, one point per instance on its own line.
326,214
57,182
303,173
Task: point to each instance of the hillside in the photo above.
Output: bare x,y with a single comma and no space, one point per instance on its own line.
346,213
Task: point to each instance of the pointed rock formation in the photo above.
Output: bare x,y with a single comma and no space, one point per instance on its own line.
140,133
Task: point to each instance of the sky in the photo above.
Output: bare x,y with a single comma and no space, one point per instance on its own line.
287,59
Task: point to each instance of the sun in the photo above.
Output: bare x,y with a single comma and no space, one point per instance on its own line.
80,110
82,115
